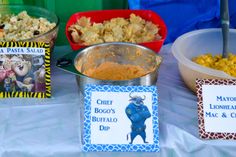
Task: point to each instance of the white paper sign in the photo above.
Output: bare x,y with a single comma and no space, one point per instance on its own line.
108,118
219,104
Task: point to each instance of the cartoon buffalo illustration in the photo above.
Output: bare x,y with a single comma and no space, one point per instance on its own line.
137,112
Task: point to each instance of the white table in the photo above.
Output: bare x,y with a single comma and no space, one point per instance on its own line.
51,127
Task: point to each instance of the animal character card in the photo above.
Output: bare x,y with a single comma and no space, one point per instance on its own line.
25,69
121,118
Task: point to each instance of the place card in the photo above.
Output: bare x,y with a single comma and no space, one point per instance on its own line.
216,108
25,70
121,118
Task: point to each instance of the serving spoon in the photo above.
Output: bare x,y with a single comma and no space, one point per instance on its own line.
224,14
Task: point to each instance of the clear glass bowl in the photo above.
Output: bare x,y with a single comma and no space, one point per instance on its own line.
37,12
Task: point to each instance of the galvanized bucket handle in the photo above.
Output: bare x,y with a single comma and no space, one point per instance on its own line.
66,63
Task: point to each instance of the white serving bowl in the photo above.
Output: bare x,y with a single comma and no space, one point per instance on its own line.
199,42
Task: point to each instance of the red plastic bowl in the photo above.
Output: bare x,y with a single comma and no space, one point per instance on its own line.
102,15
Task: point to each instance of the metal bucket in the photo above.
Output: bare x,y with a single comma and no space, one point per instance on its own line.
121,53
117,52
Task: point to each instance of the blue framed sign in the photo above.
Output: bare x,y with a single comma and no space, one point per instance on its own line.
121,118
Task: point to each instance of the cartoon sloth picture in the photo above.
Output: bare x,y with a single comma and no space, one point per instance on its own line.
22,72
137,113
16,72
20,66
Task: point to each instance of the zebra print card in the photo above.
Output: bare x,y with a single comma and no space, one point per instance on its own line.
25,69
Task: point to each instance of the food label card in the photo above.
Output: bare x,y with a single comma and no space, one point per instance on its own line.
216,108
25,69
121,118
